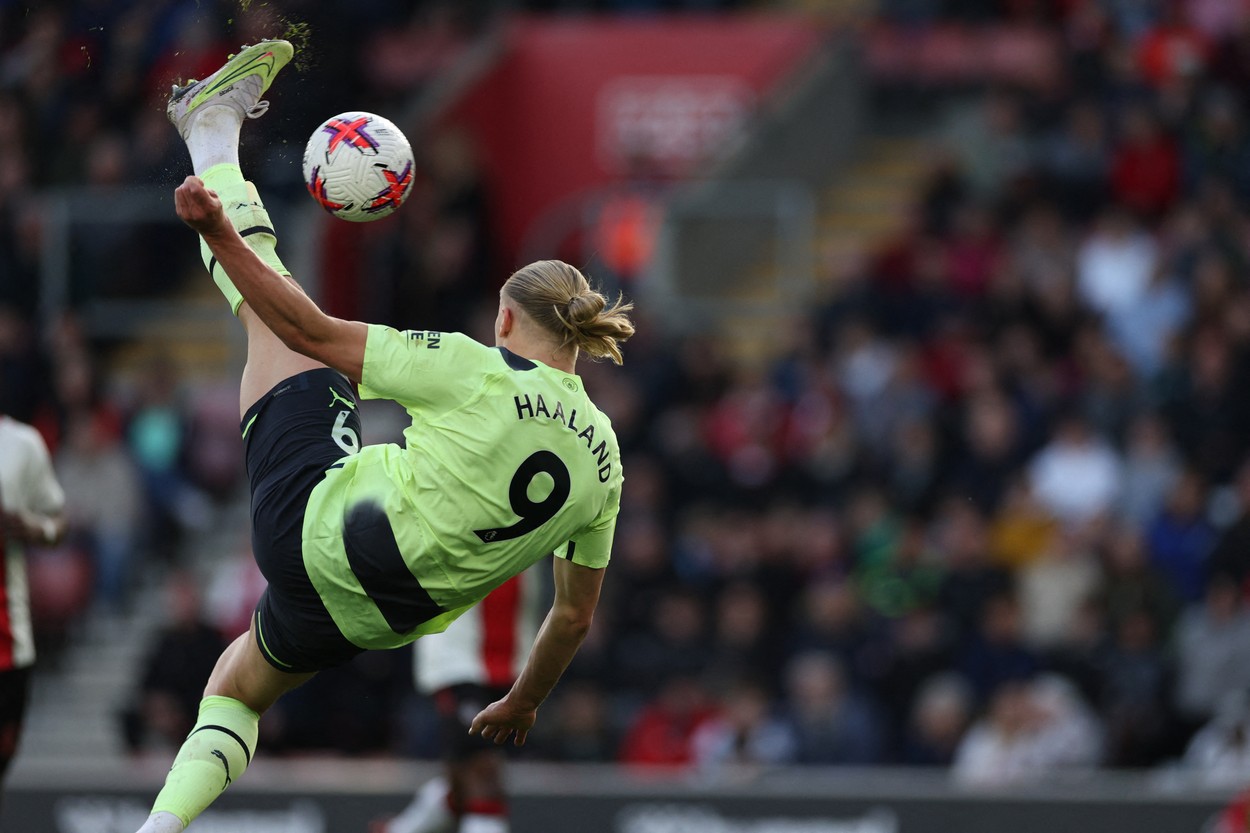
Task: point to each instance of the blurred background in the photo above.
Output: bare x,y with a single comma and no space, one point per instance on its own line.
936,425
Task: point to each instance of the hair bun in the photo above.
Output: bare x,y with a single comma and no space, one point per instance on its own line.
584,307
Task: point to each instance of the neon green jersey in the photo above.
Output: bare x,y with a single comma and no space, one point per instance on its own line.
507,460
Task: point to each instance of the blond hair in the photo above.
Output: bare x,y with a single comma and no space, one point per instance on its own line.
560,299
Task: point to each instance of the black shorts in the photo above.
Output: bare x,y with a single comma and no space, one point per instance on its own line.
291,437
457,705
14,694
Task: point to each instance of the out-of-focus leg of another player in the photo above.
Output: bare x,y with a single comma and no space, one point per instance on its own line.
429,812
480,784
466,667
209,115
470,798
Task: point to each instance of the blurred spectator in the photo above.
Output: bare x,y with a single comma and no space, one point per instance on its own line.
1132,585
1151,467
674,645
662,730
997,653
1136,683
1180,538
1033,729
625,231
1069,735
830,723
1111,395
915,464
1231,554
1171,49
157,437
233,588
742,637
993,147
1115,264
990,436
831,619
971,579
174,672
1077,161
745,733
997,749
581,731
1145,328
973,251
214,446
1220,752
1217,147
1023,530
1203,408
1054,587
1076,475
103,498
942,713
903,576
1212,650
912,650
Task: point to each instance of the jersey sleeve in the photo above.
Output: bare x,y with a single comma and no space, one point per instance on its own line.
421,367
43,494
593,546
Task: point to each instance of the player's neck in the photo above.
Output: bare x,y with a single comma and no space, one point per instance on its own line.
541,351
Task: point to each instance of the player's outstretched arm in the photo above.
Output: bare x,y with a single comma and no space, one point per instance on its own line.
566,625
278,302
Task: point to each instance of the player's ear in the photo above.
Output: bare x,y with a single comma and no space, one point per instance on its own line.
505,322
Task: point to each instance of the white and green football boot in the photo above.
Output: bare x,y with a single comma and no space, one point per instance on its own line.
239,84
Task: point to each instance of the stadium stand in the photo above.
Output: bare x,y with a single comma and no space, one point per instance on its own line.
989,494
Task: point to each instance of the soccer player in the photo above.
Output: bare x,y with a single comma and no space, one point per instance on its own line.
32,511
466,666
506,460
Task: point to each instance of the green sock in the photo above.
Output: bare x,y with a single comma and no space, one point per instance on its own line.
214,755
248,215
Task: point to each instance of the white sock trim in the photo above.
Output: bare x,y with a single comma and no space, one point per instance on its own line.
484,824
162,823
214,139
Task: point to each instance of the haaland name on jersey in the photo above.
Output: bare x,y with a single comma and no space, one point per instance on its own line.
534,407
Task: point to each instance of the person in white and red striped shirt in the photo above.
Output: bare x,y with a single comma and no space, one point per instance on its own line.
471,664
32,511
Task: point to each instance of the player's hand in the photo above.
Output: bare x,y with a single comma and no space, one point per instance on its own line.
25,528
199,207
500,720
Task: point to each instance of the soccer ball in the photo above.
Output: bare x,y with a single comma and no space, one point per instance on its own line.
358,166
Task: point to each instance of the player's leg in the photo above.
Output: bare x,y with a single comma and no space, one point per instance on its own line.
478,784
220,747
209,115
470,797
430,811
14,694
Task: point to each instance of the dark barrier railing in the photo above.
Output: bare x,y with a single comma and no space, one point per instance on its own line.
342,796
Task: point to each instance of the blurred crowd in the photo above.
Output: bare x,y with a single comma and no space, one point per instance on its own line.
988,510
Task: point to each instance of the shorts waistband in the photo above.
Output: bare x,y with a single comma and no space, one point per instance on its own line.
301,381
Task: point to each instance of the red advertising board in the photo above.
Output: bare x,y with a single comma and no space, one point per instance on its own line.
571,103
